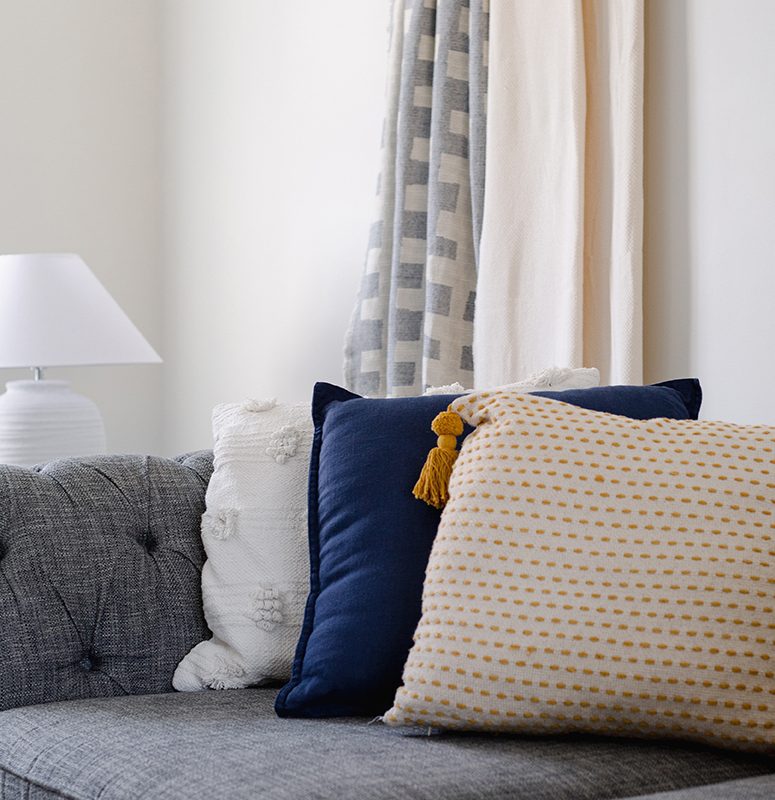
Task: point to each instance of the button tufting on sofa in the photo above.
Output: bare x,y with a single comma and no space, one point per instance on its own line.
82,589
89,663
149,542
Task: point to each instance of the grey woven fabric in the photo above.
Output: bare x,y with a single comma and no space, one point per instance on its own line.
413,322
231,744
100,564
13,786
761,788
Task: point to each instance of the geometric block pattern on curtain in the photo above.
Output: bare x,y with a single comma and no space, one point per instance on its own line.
412,326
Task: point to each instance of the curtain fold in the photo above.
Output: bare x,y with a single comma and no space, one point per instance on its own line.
413,322
560,266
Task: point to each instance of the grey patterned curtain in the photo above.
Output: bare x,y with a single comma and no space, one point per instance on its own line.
413,322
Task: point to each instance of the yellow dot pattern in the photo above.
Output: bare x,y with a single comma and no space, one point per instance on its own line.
594,573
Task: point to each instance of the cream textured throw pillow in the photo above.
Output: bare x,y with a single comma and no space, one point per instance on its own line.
550,379
256,577
595,573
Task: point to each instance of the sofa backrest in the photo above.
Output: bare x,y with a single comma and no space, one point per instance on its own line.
100,563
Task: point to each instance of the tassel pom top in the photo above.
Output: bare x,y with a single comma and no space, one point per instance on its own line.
447,423
432,487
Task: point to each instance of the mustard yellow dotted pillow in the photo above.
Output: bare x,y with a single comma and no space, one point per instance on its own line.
595,573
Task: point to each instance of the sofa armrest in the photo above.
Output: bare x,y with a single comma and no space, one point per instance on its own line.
100,563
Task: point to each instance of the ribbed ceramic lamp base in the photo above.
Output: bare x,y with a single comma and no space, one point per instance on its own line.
44,420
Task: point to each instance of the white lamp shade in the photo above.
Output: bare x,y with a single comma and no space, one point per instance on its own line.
54,312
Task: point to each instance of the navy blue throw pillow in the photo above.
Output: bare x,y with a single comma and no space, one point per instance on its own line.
370,539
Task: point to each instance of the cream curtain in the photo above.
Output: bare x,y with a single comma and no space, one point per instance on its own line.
559,278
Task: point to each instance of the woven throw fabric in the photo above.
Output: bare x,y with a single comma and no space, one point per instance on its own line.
594,573
256,577
412,326
230,744
99,575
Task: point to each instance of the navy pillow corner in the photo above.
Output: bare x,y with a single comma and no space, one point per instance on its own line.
690,391
677,399
370,539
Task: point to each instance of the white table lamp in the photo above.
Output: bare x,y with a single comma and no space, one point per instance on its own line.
55,313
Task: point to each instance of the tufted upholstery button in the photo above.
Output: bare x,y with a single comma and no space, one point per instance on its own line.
149,541
89,663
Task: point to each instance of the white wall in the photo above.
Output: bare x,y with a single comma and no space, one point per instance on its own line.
272,119
79,167
710,190
263,119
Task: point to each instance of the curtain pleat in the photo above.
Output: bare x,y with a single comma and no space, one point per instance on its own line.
477,139
559,279
613,188
413,322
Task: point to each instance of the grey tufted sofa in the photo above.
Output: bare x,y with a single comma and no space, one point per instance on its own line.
99,600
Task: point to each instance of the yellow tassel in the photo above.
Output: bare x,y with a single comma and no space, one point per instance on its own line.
432,486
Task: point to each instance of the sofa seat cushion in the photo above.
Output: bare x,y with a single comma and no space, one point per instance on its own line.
760,788
230,744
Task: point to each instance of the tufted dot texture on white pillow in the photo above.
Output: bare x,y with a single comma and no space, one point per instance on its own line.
256,578
593,573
